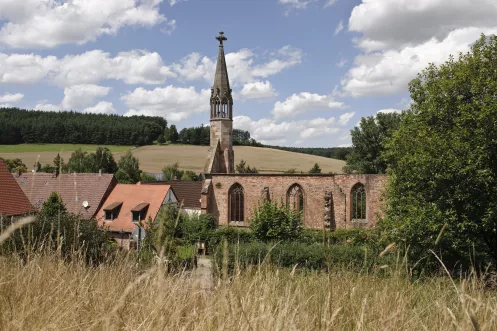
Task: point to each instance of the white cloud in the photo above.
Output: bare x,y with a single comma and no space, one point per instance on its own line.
173,103
389,111
76,97
240,65
400,38
342,62
269,131
79,96
338,28
47,106
394,23
25,68
302,103
390,71
329,3
298,4
258,90
9,97
103,107
132,67
45,24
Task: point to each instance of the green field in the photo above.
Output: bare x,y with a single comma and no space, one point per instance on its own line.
34,148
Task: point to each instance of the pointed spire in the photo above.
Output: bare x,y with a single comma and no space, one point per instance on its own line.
221,80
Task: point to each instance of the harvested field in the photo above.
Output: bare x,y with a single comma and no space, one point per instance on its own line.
154,158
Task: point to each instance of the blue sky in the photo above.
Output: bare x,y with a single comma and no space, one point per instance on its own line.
303,72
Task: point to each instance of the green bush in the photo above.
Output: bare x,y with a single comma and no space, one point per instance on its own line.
71,235
275,222
193,228
354,236
312,256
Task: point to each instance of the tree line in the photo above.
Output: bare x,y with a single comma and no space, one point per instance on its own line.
20,126
339,153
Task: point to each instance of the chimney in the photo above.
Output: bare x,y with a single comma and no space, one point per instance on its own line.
56,173
100,172
19,172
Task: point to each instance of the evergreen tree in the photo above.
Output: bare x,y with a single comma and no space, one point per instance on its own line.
54,206
315,169
173,134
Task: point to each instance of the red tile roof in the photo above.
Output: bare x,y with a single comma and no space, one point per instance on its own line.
131,196
13,201
74,189
186,190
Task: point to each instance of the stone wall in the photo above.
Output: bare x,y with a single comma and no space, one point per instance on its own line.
319,206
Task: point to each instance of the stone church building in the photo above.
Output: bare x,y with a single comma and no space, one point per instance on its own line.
326,200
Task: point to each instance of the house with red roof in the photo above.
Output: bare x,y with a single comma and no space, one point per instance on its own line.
130,204
82,193
13,201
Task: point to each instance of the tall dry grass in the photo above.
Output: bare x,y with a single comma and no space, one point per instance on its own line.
47,294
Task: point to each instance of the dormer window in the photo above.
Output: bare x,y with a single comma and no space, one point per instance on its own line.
112,211
139,213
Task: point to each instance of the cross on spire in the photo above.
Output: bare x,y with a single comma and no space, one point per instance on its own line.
221,38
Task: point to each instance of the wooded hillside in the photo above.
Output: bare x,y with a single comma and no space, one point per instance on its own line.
22,126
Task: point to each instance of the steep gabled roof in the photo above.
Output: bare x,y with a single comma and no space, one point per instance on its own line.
132,196
74,189
13,201
186,191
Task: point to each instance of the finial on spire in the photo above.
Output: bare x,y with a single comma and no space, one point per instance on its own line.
221,38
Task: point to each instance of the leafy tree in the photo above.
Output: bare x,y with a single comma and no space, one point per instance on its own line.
315,169
103,160
47,168
15,165
243,168
128,169
53,206
443,161
173,134
190,175
275,222
161,140
367,141
172,171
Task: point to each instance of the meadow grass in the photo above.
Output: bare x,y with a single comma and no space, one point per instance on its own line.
47,294
32,148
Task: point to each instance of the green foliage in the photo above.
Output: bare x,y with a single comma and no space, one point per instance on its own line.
84,162
146,177
161,140
311,256
172,134
271,221
15,165
47,168
291,171
368,143
315,169
443,161
339,153
23,126
53,206
129,169
58,162
56,230
172,171
243,168
193,228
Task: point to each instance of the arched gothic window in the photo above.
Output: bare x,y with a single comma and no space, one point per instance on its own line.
295,198
236,203
358,196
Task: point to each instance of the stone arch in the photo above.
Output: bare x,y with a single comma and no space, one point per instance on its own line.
295,198
358,203
236,203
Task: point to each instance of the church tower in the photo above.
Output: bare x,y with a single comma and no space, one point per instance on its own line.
221,157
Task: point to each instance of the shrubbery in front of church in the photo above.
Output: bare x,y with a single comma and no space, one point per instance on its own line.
271,221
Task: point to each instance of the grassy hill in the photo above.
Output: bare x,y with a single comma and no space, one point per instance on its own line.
153,158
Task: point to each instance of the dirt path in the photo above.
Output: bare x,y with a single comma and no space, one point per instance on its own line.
203,273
